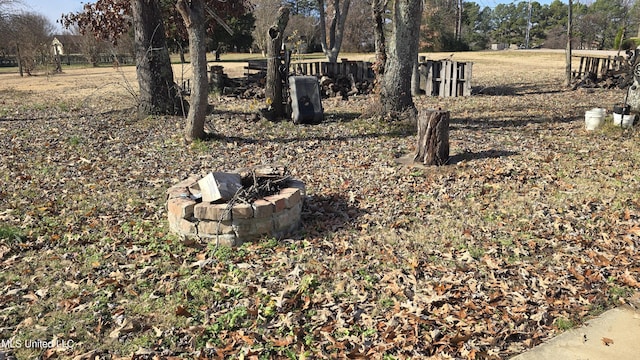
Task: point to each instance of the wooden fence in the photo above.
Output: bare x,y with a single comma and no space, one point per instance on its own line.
595,67
361,70
445,78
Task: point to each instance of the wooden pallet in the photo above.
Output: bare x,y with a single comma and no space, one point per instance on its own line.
260,65
445,78
361,70
595,67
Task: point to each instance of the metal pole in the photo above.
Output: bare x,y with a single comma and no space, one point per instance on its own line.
526,40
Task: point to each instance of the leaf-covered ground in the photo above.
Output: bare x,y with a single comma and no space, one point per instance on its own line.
532,228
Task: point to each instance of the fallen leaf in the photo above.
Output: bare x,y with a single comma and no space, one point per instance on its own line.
181,311
72,285
628,279
31,296
283,342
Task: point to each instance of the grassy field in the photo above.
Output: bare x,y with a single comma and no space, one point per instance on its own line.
531,229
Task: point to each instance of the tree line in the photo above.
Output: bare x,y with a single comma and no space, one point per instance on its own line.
447,25
456,25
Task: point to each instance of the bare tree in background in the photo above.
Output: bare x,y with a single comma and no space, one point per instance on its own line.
358,35
301,33
8,6
30,34
331,41
90,46
265,12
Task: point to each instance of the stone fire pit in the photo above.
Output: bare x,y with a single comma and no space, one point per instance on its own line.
233,223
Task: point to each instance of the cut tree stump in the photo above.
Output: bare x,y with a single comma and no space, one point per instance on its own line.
433,137
273,86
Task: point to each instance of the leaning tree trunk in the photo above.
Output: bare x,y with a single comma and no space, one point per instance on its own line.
193,14
402,54
433,137
158,93
273,88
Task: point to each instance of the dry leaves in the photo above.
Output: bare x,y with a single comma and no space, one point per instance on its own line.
606,341
534,220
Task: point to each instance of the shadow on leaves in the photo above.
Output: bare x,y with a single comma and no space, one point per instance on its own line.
486,154
327,213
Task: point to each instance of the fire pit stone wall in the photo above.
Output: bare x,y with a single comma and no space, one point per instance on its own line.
233,224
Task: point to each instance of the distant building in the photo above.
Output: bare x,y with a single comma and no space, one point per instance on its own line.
58,48
66,44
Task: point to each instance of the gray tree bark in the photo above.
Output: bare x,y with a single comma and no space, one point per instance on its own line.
159,94
402,54
194,16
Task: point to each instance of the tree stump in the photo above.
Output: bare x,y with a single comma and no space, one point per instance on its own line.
433,137
273,87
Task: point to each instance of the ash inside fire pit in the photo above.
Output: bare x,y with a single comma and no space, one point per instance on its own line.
232,208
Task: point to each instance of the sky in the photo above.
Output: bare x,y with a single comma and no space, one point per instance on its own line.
52,9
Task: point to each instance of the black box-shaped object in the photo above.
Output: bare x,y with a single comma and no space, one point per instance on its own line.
306,106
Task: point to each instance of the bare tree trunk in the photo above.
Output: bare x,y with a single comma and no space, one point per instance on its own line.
336,30
273,87
158,93
568,75
20,68
433,137
193,14
402,55
378,8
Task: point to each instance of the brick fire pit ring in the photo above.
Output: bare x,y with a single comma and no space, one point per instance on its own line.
233,224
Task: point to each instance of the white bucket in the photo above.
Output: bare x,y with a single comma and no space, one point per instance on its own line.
617,119
624,121
594,118
627,121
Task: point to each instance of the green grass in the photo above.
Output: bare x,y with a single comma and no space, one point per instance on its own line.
11,234
199,146
564,324
75,140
